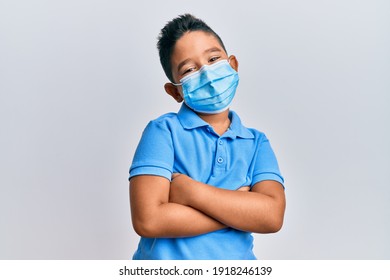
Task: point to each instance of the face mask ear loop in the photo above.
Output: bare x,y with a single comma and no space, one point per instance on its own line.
179,84
229,60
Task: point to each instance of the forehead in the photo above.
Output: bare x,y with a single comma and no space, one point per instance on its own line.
193,44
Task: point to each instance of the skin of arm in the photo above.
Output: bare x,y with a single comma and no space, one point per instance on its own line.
153,215
260,210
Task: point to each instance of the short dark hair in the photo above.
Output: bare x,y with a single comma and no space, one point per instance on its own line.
173,31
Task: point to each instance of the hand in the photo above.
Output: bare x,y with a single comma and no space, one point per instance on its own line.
180,189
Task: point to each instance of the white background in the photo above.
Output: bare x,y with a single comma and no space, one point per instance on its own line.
80,79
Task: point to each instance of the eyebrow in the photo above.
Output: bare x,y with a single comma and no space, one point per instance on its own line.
213,49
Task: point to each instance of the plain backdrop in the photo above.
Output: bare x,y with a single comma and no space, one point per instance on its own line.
80,79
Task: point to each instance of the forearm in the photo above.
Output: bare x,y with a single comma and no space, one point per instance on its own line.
157,217
175,220
247,211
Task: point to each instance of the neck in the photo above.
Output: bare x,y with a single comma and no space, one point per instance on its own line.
220,122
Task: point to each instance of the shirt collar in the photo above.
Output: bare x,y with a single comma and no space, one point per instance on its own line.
236,127
190,120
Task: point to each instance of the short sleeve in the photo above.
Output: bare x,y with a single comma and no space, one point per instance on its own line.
266,165
154,154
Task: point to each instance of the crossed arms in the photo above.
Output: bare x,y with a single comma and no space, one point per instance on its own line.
185,207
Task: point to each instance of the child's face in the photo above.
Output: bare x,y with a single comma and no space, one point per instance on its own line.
192,51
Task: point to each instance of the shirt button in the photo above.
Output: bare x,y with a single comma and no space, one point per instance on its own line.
220,160
220,142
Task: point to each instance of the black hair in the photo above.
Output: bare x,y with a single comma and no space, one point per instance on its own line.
173,31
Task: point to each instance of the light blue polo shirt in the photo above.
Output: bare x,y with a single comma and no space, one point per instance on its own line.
186,144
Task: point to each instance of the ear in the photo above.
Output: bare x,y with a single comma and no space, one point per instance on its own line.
233,62
173,91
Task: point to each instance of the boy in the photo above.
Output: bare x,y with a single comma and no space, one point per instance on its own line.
200,181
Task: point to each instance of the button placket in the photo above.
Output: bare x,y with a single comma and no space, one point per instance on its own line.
220,154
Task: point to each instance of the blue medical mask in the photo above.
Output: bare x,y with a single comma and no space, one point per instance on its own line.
210,89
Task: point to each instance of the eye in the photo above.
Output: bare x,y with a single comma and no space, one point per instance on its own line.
214,58
188,70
